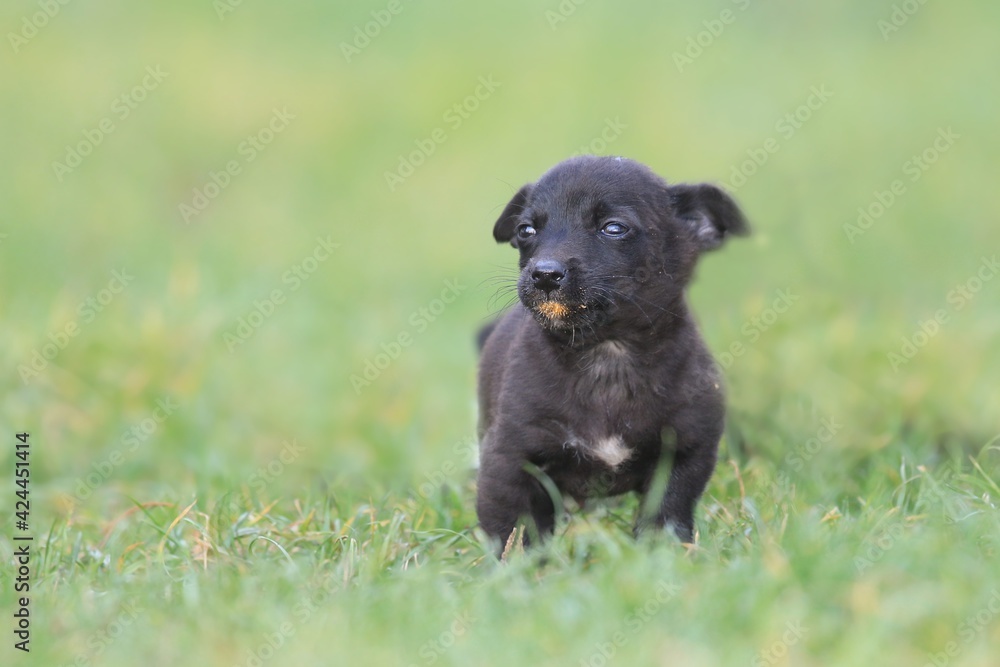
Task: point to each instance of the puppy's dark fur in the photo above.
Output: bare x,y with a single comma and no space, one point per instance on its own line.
599,373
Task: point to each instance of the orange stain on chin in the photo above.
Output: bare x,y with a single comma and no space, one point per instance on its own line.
553,310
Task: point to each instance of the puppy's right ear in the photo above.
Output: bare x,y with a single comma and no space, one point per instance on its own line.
503,230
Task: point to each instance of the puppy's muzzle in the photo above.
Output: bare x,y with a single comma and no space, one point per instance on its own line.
548,275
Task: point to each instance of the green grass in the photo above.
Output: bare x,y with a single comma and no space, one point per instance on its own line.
284,514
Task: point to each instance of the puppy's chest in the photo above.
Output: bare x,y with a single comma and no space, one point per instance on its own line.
613,405
612,377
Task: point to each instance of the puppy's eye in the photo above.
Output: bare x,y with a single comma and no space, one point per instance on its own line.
525,231
614,229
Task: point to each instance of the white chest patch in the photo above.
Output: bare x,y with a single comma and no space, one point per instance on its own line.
610,373
607,358
612,451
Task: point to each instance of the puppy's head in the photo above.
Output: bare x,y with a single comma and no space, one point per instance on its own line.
605,241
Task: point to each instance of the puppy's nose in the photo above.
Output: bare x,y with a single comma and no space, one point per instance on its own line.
548,274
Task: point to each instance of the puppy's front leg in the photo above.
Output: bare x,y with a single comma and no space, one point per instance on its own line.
507,494
692,468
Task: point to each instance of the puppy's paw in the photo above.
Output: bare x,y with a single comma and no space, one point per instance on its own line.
683,532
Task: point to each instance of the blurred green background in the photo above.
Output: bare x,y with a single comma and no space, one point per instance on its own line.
806,111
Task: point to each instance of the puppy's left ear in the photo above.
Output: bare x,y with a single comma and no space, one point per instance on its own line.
503,230
709,212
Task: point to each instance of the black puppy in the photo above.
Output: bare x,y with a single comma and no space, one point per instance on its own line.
599,373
